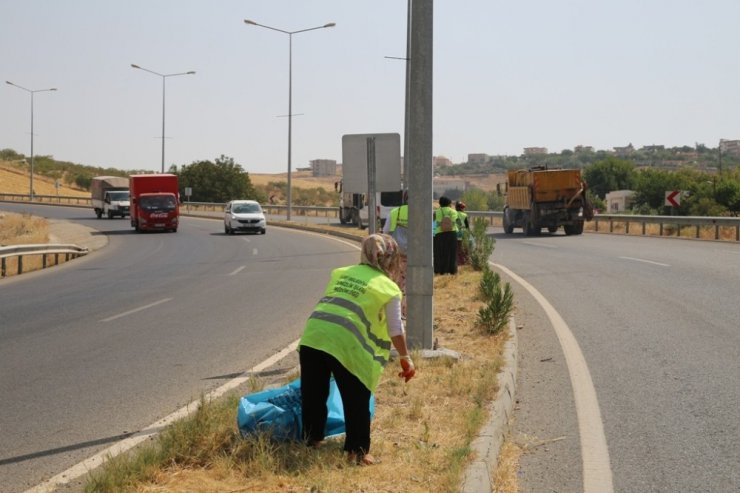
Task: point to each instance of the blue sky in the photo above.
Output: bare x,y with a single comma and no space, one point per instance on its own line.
507,75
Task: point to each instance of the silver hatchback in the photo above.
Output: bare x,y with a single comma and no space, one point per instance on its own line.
244,215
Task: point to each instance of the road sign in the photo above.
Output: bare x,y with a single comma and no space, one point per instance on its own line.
673,198
387,162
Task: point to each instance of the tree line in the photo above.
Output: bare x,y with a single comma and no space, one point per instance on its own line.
703,193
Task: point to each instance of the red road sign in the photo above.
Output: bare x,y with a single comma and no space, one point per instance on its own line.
673,198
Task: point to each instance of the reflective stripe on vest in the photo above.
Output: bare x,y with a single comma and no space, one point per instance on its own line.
349,322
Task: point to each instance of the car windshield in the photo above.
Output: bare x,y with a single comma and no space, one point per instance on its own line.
158,203
118,196
246,208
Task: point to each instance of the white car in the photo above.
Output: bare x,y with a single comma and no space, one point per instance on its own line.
244,215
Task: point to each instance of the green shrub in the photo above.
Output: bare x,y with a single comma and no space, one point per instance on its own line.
493,317
481,246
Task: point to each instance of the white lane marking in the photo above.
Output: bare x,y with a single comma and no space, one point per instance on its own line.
136,310
597,473
238,270
96,460
645,261
255,251
543,245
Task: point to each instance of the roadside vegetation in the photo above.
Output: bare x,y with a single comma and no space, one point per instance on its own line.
422,430
22,229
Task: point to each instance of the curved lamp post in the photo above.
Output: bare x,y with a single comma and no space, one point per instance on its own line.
290,93
164,77
31,92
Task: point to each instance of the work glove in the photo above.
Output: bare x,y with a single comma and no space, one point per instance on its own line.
408,368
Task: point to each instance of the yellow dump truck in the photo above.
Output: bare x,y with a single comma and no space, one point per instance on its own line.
546,198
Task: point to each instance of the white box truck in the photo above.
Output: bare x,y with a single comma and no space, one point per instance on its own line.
110,196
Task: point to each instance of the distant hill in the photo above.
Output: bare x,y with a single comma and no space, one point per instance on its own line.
15,178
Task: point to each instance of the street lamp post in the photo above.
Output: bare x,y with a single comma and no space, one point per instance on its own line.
290,94
31,92
164,77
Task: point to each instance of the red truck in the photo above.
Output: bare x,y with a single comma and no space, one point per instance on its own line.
155,202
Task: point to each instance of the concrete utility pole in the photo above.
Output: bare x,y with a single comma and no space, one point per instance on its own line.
420,273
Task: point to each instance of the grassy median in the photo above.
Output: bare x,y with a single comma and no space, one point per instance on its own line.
422,430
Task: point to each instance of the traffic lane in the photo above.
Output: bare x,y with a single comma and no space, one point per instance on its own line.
659,348
109,378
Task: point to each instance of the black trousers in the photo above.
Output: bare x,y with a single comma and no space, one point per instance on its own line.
316,370
445,253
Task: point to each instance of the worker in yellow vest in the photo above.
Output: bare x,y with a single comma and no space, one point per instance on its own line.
462,224
445,238
349,336
397,225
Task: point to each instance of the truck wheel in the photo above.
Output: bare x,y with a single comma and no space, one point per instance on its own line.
508,223
342,216
552,229
531,229
226,229
573,229
110,214
98,213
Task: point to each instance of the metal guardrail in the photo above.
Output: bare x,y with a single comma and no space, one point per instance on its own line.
602,223
46,251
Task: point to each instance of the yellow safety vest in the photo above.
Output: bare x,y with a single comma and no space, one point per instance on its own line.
461,223
349,322
399,217
440,213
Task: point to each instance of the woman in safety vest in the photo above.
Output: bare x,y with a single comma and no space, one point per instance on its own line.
462,224
349,335
445,238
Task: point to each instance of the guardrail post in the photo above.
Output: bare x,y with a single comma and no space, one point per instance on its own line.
627,227
43,261
661,229
3,267
20,264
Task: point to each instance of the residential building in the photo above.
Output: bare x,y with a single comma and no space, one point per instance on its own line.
730,147
624,151
619,201
324,167
530,151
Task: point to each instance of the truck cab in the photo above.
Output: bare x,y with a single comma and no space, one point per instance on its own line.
155,202
116,203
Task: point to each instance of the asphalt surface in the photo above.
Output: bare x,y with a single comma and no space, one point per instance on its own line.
657,322
63,231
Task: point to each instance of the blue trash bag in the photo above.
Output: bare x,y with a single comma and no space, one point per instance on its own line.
278,411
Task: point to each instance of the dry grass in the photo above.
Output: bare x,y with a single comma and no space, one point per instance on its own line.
15,179
506,477
422,430
22,229
634,228
300,179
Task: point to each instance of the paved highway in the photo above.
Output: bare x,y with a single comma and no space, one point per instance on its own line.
658,323
108,344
